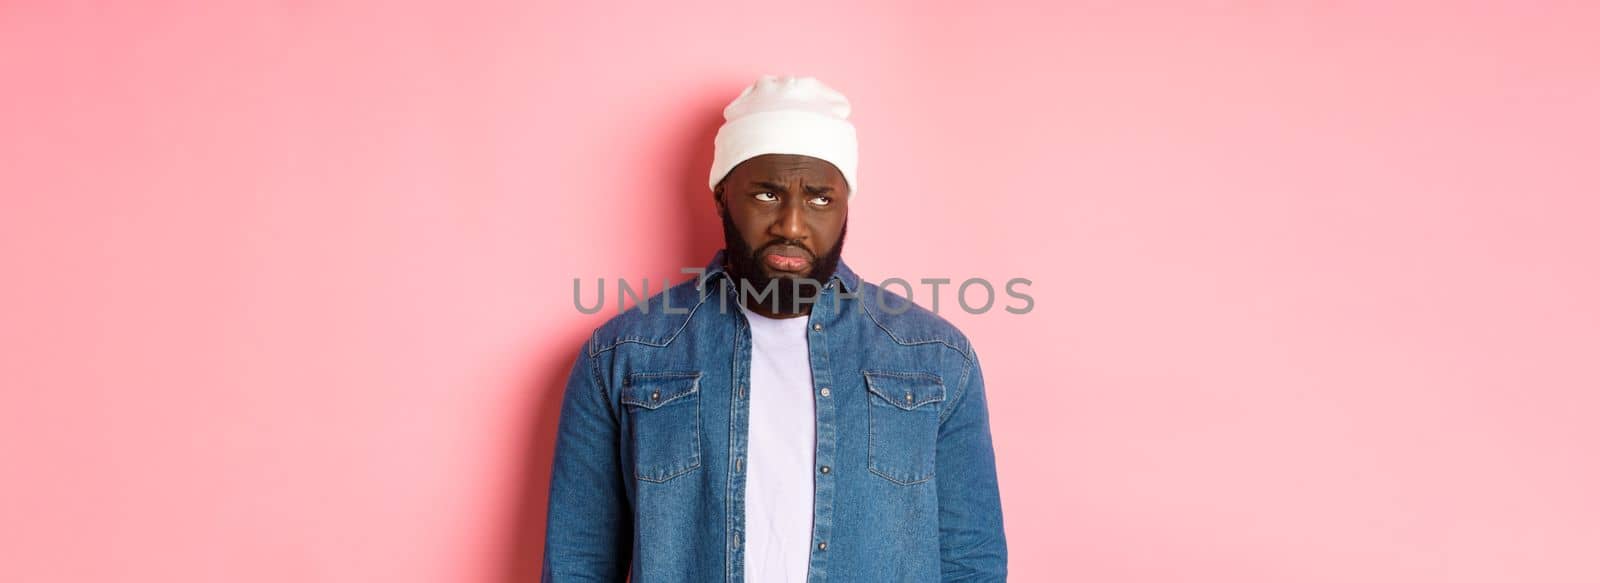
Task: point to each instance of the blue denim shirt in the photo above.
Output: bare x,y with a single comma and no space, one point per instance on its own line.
648,476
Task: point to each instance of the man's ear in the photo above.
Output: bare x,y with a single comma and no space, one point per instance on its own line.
716,195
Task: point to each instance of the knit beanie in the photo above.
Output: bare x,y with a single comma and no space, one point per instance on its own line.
787,115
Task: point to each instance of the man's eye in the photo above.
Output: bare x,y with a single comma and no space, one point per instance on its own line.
821,200
766,196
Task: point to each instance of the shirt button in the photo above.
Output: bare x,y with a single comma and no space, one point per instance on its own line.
655,396
817,327
741,391
825,469
824,391
822,546
736,540
738,464
908,397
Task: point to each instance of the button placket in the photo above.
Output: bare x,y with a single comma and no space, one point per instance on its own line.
827,435
738,444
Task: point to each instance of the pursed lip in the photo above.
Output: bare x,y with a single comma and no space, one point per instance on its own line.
787,258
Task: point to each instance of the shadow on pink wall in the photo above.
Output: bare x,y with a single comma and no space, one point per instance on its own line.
699,237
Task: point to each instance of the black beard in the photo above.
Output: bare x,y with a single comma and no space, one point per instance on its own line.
789,294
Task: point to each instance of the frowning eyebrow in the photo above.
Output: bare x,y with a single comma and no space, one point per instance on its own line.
775,187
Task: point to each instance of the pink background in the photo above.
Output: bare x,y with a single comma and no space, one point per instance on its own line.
287,285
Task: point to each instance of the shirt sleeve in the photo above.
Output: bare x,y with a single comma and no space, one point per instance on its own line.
589,527
972,540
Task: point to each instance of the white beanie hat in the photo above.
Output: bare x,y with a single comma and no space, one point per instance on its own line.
786,115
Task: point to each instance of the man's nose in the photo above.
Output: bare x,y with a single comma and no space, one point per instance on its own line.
790,223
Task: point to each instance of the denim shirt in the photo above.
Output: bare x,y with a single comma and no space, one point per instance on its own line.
648,476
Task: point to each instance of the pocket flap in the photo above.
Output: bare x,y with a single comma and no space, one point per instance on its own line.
906,390
654,389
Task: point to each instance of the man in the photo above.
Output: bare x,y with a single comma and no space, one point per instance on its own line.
777,419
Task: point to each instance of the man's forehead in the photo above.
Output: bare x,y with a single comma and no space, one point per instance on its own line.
788,166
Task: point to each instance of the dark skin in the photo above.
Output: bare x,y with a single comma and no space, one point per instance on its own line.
787,205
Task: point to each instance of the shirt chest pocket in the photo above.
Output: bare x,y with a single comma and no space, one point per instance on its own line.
663,417
903,424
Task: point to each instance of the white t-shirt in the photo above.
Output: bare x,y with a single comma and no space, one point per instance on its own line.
779,485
